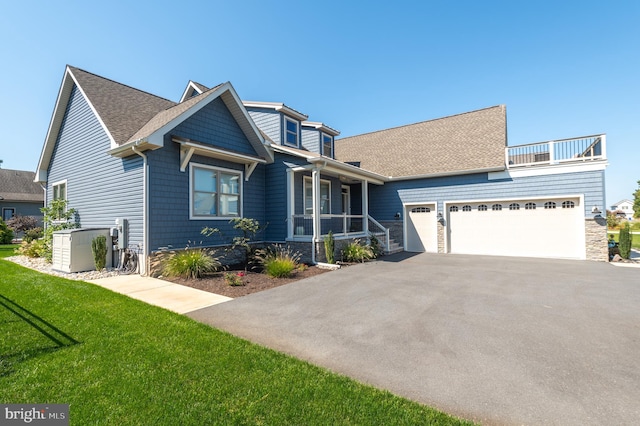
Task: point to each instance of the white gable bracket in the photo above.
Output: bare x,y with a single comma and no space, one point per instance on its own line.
248,169
185,156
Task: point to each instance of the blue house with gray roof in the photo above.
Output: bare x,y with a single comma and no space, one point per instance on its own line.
450,185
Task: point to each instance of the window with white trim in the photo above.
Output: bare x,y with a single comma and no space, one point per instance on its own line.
327,145
482,208
215,192
290,132
549,205
8,213
466,208
325,196
568,204
530,206
514,206
496,207
453,208
60,190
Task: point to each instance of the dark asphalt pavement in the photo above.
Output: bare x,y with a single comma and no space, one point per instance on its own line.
492,339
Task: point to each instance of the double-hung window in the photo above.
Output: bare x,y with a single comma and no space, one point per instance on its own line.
290,132
215,192
60,190
325,196
327,145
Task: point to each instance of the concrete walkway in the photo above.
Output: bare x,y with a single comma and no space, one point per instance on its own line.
174,297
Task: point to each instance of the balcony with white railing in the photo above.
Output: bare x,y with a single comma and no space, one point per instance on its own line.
576,150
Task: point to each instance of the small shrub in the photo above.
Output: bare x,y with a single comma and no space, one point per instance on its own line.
6,234
99,250
234,279
35,248
376,247
625,241
192,263
329,247
277,261
33,234
356,252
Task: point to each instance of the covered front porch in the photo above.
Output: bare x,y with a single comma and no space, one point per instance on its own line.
328,196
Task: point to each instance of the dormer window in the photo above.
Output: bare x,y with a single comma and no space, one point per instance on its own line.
327,145
290,132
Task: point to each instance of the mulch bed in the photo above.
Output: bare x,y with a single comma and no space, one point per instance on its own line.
254,282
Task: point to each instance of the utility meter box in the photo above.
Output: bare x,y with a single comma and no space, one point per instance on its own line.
72,249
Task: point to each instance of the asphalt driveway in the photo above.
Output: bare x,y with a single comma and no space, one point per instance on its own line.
491,339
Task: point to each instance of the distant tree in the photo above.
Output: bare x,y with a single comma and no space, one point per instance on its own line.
636,202
612,220
22,223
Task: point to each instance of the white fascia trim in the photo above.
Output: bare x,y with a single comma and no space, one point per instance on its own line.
277,106
95,112
264,143
441,174
157,137
64,94
321,126
549,170
190,86
348,170
293,152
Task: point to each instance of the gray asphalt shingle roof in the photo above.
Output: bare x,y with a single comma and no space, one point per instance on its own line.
123,109
470,141
18,185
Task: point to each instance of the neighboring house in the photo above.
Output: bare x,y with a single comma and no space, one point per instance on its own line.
20,195
624,206
172,168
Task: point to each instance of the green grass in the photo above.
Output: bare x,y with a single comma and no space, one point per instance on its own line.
119,361
635,242
7,250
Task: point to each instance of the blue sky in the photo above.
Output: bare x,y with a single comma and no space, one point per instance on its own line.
562,68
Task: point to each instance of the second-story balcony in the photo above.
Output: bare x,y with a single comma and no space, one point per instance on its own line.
582,149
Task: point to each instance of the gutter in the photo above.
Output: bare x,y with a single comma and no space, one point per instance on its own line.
145,205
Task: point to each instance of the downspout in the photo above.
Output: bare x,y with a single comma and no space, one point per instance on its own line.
145,206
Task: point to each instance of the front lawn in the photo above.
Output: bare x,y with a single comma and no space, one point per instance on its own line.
7,250
118,361
635,242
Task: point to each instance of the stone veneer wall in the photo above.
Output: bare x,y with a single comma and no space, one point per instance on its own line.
596,239
396,230
441,237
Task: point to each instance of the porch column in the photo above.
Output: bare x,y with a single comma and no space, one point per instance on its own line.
290,202
315,193
365,207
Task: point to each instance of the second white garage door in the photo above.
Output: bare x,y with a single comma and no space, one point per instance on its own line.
531,228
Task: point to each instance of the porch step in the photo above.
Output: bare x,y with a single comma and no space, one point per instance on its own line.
393,247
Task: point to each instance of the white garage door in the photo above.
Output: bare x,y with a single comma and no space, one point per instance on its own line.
531,228
422,231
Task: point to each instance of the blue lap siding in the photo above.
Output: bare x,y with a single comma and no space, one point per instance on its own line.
100,187
169,222
386,200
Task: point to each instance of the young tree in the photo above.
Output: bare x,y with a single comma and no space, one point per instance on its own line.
625,241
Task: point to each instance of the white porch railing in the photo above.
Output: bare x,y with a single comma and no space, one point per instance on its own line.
340,224
586,148
380,232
